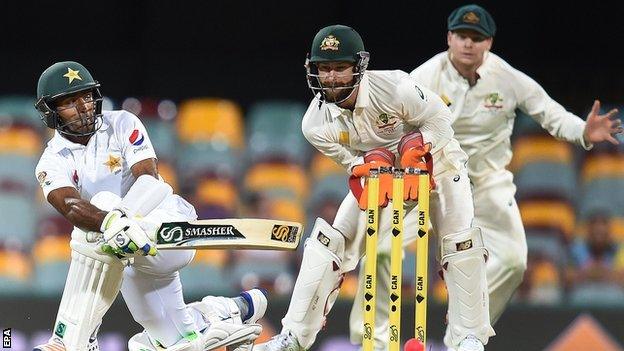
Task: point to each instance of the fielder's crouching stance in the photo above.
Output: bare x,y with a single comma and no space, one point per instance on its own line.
99,171
362,120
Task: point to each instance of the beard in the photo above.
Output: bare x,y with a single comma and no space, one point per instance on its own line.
337,95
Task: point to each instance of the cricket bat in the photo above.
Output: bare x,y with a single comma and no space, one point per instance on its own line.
231,233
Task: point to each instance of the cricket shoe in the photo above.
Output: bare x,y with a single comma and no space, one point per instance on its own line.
470,343
226,326
280,342
56,344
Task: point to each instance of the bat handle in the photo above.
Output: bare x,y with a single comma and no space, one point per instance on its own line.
94,237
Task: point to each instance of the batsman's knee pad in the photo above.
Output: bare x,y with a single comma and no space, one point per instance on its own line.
463,266
318,282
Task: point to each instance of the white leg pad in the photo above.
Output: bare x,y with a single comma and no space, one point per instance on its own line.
463,266
92,284
317,285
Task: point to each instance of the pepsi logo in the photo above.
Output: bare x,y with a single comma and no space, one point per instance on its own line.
136,138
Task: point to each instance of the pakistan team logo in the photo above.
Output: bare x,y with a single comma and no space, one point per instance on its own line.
493,100
330,43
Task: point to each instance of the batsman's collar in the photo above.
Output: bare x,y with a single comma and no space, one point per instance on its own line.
59,142
472,17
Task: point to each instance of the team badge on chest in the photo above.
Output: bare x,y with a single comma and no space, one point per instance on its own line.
386,124
493,101
113,163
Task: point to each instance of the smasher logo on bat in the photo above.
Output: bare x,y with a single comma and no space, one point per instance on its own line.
284,233
180,232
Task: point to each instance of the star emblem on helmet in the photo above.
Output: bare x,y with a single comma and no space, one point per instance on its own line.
330,43
71,75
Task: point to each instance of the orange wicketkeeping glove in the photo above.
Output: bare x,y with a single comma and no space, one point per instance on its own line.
380,158
415,155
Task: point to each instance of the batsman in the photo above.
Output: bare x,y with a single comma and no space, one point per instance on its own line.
100,172
365,120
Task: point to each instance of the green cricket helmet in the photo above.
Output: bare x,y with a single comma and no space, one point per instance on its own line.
59,81
336,43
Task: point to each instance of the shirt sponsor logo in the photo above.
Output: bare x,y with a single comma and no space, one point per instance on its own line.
136,138
138,149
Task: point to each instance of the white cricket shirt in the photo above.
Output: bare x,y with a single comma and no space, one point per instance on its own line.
101,165
483,115
389,105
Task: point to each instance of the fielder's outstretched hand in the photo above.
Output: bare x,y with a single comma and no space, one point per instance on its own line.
601,127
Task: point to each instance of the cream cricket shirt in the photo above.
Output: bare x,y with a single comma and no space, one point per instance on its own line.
483,115
389,105
103,164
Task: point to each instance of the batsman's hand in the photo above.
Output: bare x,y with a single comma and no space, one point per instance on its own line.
381,159
415,157
123,237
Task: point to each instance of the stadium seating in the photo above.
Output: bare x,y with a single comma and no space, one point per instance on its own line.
215,121
220,161
274,132
18,110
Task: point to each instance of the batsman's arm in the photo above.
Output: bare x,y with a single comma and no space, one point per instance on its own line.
78,211
82,213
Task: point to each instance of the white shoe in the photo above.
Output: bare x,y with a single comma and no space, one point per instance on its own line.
216,336
470,343
56,344
280,342
226,326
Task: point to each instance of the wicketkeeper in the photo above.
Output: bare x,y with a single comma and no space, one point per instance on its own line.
368,119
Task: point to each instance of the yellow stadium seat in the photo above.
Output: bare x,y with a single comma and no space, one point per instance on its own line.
14,264
545,273
603,166
217,192
287,210
20,140
52,248
216,258
211,120
440,295
322,166
266,176
540,148
349,286
548,214
616,226
168,174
